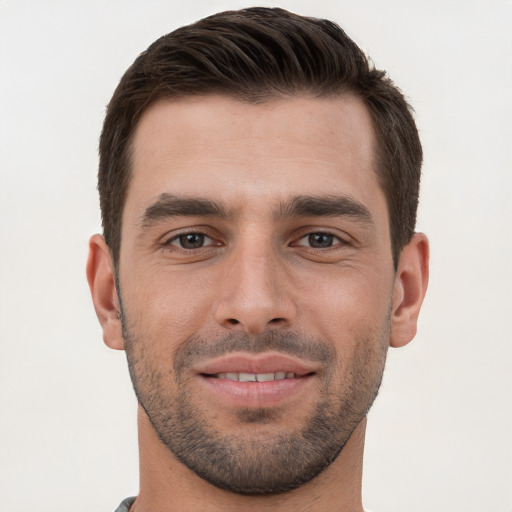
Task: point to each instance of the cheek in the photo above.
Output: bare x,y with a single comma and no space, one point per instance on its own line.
349,306
167,305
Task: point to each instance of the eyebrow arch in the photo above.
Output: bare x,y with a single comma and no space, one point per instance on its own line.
168,206
325,206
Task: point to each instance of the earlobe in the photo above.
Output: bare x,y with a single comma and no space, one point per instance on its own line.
409,290
100,275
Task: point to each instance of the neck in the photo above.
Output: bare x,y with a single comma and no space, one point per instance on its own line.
167,485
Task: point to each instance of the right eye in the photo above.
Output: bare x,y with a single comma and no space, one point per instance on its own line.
191,241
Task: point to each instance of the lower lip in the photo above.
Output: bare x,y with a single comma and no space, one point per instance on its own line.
256,394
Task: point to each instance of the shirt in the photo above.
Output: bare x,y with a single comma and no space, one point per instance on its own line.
127,503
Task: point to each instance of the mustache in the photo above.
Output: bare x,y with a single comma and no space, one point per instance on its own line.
289,343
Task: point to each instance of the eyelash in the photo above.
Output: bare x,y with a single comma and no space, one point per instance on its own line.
334,240
188,234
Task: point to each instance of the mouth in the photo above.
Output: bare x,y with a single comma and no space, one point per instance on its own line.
254,377
250,381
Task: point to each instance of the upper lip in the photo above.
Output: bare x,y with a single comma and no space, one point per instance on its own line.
255,363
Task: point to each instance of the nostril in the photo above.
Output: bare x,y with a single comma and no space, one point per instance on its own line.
278,321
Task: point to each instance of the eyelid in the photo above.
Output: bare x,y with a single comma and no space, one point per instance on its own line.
179,235
167,239
340,240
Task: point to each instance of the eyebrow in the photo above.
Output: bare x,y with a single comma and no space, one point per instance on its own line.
168,206
325,206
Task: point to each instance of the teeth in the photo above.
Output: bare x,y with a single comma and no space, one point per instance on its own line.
264,377
256,377
247,377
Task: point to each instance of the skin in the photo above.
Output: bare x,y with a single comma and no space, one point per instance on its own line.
256,274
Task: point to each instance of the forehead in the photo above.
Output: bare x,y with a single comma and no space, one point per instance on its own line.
253,154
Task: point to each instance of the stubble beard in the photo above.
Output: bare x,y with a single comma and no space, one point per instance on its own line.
256,458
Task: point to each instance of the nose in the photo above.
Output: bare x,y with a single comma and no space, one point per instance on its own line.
255,294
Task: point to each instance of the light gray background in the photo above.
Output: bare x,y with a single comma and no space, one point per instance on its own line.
439,435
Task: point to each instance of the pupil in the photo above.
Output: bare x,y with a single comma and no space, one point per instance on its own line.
192,241
320,240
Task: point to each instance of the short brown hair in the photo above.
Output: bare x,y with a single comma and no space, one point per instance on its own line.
256,55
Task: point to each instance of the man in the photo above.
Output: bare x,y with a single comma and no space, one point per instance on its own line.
258,185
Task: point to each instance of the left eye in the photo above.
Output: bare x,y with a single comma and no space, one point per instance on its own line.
191,240
319,240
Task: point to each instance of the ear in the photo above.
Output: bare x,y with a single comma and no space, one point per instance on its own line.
411,282
100,275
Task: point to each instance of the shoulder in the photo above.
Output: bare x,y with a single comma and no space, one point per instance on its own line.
125,505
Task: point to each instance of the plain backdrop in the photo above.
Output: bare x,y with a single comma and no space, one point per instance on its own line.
440,433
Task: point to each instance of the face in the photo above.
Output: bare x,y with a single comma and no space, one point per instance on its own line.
256,283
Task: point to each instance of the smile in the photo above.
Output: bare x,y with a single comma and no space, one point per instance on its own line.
255,377
269,366
256,381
